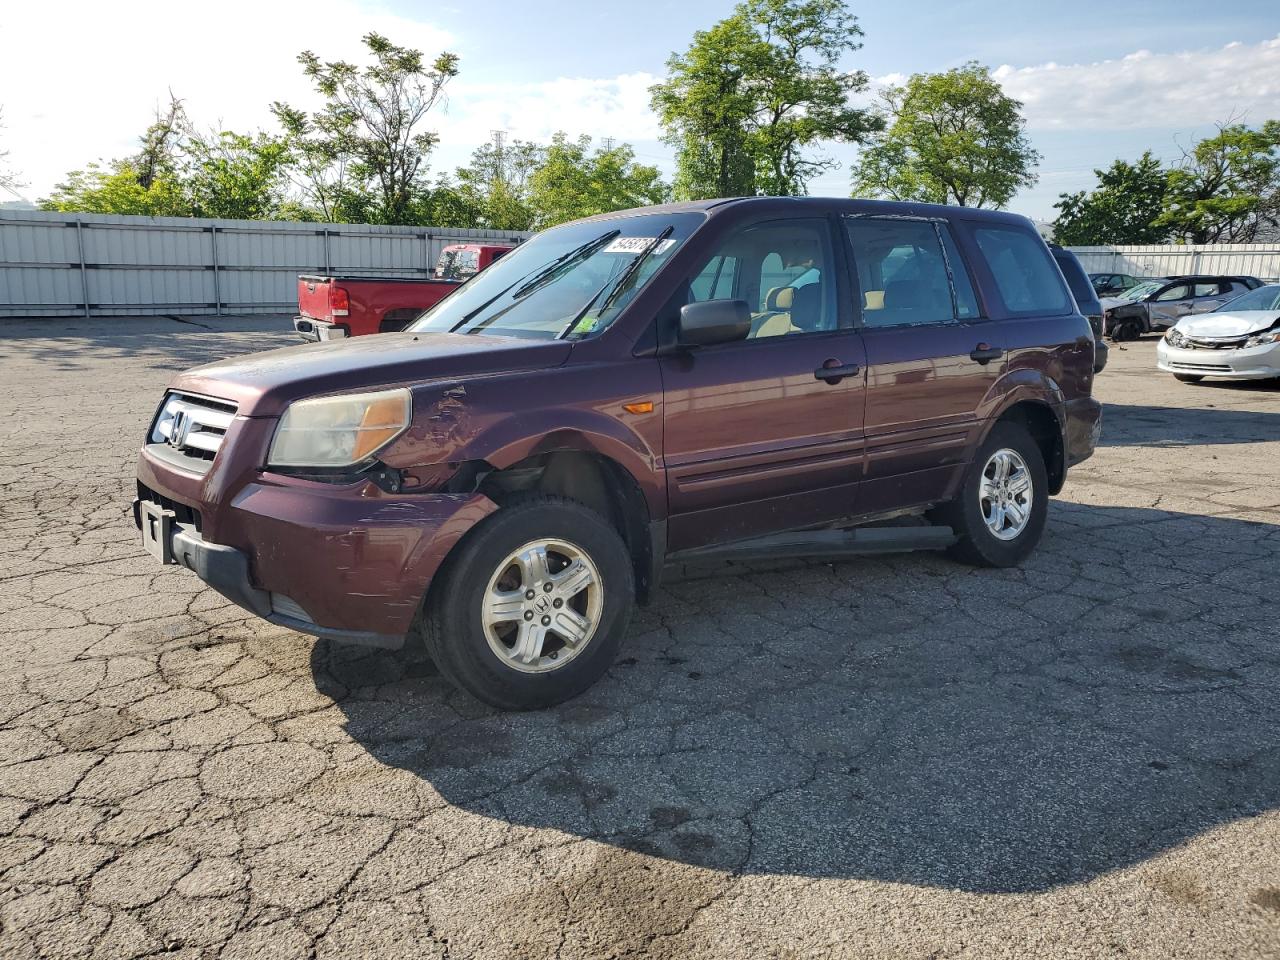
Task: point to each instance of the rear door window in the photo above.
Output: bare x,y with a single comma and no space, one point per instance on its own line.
909,272
1179,291
1024,273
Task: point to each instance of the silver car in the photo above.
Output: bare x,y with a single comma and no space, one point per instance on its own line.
1159,304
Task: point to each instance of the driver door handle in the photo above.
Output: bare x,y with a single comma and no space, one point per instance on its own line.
985,353
833,371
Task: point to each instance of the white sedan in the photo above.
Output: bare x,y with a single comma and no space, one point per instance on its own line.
1238,341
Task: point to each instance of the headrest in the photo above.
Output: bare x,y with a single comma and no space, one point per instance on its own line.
806,311
873,300
780,298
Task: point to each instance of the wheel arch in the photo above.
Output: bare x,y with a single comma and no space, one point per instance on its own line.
1044,421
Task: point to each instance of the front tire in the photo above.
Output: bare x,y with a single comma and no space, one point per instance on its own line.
1126,330
532,607
1000,514
1188,377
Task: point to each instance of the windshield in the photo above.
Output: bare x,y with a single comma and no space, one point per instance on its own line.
1263,298
569,282
1141,291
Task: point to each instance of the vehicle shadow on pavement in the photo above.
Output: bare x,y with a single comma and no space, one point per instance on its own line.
1125,425
900,719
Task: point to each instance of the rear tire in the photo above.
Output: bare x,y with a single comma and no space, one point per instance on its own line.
983,515
1188,377
485,624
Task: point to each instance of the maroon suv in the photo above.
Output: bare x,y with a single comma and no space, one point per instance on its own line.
503,479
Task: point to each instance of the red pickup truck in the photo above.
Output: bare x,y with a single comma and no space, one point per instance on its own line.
334,308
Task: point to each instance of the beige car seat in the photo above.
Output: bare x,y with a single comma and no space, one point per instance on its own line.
776,320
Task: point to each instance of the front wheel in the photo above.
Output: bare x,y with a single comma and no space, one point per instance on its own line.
1188,377
1126,330
1004,500
531,609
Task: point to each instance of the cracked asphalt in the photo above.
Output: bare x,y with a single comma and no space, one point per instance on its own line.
891,757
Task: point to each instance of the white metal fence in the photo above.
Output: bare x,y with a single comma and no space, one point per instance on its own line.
1261,260
91,265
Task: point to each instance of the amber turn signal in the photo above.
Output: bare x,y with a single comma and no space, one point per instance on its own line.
645,406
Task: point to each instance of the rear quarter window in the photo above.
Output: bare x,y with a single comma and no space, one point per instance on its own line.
1025,275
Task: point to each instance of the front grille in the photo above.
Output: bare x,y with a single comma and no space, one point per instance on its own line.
187,516
192,426
1232,343
1201,367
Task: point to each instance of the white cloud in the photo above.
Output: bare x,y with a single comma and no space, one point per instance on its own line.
89,95
1145,89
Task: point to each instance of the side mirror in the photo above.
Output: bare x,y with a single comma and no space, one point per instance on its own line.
714,321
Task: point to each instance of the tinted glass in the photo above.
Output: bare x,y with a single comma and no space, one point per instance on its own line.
782,269
1024,272
1179,291
902,273
1078,283
1206,290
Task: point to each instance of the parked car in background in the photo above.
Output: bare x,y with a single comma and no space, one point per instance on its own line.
1238,341
1086,300
1111,284
1156,305
334,308
760,376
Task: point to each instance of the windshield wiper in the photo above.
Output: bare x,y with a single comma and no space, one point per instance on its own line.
617,285
530,281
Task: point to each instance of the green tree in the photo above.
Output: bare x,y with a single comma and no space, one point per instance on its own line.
952,137
494,188
236,176
364,154
1226,189
1123,208
572,181
748,98
145,184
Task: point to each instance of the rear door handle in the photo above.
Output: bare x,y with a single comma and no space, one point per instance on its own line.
985,353
833,371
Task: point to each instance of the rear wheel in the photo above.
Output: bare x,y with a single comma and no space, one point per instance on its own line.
1188,377
1000,514
532,608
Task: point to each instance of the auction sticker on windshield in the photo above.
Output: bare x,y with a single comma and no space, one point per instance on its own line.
638,245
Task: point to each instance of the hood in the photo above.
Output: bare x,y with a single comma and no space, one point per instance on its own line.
263,384
1235,323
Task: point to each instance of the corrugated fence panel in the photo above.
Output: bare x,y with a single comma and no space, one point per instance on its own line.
56,264
1261,260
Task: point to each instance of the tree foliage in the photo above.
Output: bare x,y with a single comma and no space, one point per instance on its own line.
181,172
573,181
1123,208
750,96
364,154
1226,189
952,137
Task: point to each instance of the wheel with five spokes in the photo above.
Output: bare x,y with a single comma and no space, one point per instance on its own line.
1000,513
531,608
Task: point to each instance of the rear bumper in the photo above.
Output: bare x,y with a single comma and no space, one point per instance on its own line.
349,561
1083,428
317,330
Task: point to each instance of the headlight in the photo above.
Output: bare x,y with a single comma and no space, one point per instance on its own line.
1267,336
1175,338
339,431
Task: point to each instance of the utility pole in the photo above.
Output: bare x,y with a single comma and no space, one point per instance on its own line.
499,155
607,142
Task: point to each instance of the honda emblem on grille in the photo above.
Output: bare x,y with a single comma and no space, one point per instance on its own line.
179,428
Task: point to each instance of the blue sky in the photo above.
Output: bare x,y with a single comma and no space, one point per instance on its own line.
1100,80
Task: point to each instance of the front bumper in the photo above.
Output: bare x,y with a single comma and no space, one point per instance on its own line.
1241,363
346,561
318,330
